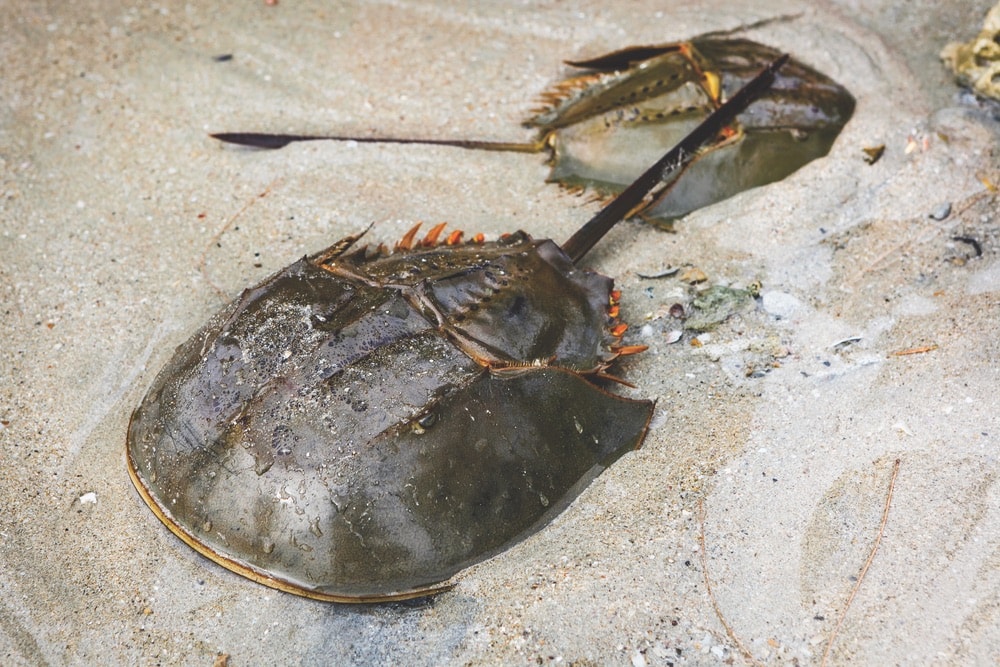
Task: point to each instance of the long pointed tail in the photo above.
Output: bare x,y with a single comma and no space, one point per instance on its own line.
274,141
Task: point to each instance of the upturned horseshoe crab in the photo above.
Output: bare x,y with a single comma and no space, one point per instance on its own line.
604,126
364,424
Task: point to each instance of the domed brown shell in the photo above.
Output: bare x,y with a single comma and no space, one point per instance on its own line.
363,425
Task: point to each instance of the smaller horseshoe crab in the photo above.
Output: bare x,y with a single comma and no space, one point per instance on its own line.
604,126
364,424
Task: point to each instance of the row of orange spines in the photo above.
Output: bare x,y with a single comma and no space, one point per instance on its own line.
433,238
618,328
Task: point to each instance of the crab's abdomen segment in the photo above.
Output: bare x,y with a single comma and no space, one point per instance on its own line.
531,306
506,303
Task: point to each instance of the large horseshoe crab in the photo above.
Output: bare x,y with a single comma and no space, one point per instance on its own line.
366,423
603,127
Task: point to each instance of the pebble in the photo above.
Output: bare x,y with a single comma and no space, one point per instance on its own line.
780,305
942,211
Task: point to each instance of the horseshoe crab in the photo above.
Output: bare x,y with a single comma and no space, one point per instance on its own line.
364,424
604,126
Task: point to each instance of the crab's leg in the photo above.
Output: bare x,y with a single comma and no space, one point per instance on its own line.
676,158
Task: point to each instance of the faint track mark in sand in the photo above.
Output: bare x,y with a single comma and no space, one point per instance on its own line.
864,568
850,599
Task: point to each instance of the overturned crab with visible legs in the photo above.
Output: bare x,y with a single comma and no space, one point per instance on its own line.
603,127
366,423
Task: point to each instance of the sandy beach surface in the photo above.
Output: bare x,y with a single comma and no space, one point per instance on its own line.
737,533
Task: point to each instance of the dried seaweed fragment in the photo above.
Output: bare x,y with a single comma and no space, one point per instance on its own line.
976,63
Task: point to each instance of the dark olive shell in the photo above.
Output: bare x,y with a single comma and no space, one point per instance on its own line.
605,125
362,425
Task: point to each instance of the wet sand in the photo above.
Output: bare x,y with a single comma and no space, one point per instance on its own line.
766,472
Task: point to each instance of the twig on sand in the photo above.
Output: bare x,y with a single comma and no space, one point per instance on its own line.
711,595
224,228
864,569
